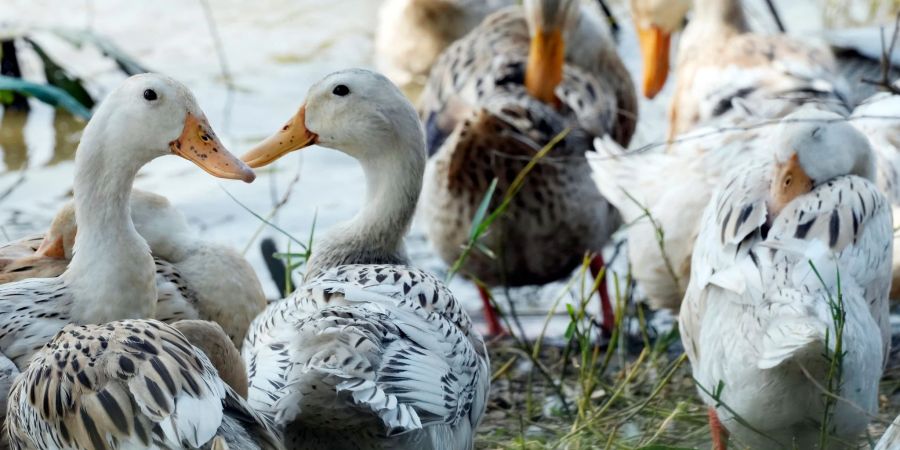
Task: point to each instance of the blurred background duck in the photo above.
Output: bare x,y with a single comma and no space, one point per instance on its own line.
780,244
492,101
720,59
411,34
135,384
369,352
188,269
112,275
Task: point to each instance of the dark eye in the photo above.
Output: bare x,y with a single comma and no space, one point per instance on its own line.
341,90
150,95
788,180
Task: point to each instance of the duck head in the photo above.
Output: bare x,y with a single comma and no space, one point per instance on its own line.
811,148
156,116
358,112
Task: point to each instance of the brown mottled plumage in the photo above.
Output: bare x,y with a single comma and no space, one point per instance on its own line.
124,385
482,124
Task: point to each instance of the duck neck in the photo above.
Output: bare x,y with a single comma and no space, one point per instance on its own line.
715,15
111,275
375,234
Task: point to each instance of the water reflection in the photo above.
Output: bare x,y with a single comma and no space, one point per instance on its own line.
12,139
67,132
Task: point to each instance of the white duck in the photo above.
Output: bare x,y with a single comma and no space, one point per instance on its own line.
412,34
757,321
876,117
189,270
132,384
369,352
112,275
720,59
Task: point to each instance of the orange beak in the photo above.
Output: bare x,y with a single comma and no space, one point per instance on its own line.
200,145
544,72
654,44
292,136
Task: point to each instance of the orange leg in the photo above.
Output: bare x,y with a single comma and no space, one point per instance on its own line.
490,315
606,310
718,432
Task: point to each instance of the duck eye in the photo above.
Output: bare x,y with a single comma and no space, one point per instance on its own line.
787,181
150,95
341,90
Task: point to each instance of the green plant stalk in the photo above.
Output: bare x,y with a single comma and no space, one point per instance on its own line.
511,192
834,376
660,237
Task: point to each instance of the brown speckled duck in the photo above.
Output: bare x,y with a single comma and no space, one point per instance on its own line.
493,100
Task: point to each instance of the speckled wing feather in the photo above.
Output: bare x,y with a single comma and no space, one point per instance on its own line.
371,353
128,384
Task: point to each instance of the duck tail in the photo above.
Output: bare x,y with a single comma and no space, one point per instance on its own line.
615,173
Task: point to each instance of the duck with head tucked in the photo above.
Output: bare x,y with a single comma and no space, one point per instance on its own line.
786,246
112,275
369,352
493,100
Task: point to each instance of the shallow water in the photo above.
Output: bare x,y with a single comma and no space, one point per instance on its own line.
273,50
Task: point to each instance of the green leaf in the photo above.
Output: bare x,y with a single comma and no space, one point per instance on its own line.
78,38
46,93
478,218
7,97
570,330
59,77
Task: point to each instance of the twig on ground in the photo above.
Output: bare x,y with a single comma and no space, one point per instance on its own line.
887,51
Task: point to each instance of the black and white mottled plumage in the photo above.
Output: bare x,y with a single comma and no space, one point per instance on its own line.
758,314
368,353
369,356
482,124
126,385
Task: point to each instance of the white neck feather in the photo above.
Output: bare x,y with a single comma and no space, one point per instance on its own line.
712,16
393,184
111,275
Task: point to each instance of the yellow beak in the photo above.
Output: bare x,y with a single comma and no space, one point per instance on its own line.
292,136
544,72
654,44
199,145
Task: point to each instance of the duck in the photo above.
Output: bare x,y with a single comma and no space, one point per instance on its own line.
111,275
411,34
132,384
786,246
188,269
493,100
721,59
873,117
369,352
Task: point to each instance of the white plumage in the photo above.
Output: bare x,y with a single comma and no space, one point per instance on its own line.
756,315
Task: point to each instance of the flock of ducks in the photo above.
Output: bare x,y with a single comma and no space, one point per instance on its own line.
120,329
